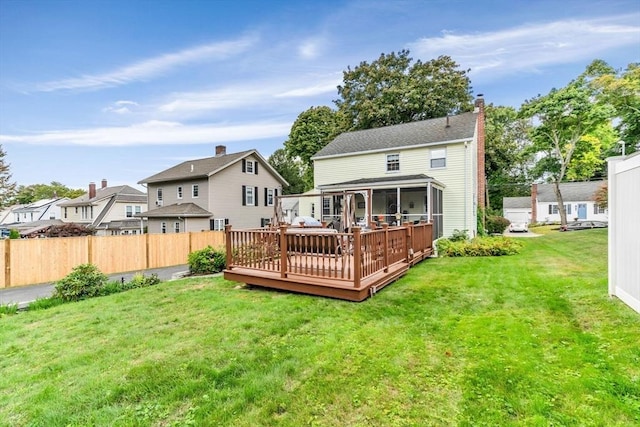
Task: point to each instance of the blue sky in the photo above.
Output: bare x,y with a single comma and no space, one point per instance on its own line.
124,89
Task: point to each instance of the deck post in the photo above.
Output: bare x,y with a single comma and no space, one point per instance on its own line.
409,241
227,238
283,251
357,256
385,227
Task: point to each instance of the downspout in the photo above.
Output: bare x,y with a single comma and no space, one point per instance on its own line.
466,194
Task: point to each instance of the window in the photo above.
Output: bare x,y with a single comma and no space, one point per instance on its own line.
163,227
598,209
393,162
194,191
553,209
268,196
249,166
159,194
179,192
218,224
129,211
138,209
326,206
438,158
249,196
176,227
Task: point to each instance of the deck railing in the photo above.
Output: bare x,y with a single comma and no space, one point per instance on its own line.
320,253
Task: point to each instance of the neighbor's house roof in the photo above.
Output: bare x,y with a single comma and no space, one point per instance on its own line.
204,168
461,127
571,191
122,193
516,202
187,210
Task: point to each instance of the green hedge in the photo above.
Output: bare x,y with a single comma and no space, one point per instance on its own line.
480,246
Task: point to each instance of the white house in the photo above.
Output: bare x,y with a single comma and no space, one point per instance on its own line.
542,205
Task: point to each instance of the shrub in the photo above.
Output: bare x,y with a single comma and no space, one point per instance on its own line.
8,309
14,234
84,281
206,261
459,236
480,246
497,224
44,303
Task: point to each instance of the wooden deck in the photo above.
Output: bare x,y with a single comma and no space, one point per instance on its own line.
350,266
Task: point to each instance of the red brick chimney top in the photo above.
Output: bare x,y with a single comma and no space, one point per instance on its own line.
92,190
104,183
221,150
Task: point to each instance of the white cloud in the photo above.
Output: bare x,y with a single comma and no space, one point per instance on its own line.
121,107
154,132
310,49
261,94
530,47
149,68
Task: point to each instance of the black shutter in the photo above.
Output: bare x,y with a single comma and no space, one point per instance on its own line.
226,221
550,209
244,195
255,168
255,196
275,193
265,196
244,165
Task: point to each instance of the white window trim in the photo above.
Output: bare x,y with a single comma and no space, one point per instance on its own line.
434,154
249,167
271,195
248,191
387,163
179,192
193,190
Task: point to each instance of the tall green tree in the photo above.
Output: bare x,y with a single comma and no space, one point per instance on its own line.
391,90
621,90
566,124
7,187
293,170
34,192
312,130
508,159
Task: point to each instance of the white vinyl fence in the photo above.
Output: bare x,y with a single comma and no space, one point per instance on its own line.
624,229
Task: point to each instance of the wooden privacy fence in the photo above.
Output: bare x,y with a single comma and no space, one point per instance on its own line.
31,261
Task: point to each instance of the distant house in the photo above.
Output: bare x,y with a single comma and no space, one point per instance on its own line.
205,194
542,205
40,210
429,170
110,210
7,215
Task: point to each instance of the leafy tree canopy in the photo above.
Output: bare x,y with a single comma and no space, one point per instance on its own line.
391,91
507,158
568,133
621,90
293,170
34,192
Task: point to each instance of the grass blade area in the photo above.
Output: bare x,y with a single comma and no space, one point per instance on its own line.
531,339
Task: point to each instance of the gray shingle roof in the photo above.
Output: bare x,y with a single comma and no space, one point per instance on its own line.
425,132
122,193
571,191
516,202
178,209
386,179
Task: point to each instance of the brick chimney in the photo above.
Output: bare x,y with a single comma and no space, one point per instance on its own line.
221,150
534,203
92,190
479,104
104,183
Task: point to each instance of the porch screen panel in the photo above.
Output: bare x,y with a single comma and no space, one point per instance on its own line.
436,212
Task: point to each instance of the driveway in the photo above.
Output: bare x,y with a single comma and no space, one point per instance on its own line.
521,234
23,295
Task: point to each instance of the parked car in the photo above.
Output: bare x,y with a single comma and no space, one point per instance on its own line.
584,225
518,226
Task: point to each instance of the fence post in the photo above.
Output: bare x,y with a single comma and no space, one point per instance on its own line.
90,250
409,241
385,246
147,251
7,263
283,251
357,256
227,232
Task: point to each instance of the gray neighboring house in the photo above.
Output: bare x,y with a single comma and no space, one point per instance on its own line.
542,206
110,210
206,194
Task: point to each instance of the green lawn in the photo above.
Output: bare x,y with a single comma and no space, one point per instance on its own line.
531,339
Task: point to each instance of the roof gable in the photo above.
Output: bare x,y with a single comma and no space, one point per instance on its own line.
204,168
121,192
425,132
